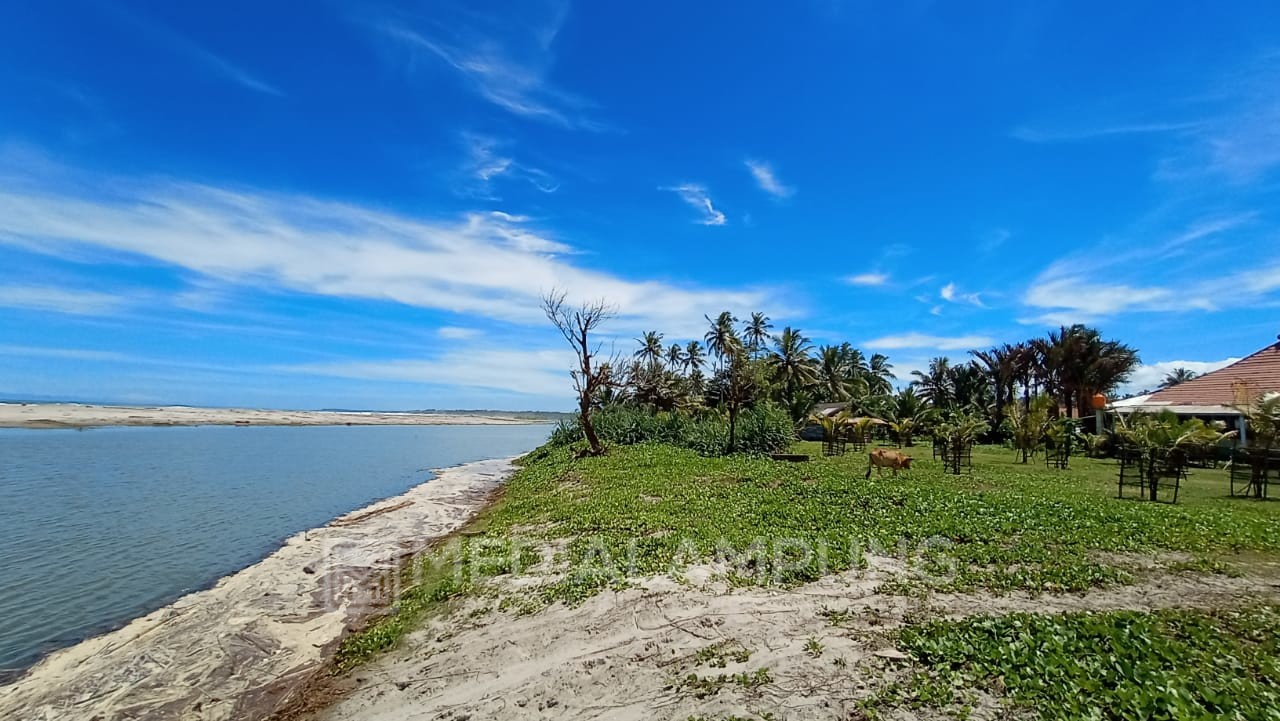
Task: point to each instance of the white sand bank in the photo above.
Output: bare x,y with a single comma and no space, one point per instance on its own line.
235,650
76,415
628,656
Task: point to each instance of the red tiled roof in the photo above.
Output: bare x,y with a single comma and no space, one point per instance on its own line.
1237,383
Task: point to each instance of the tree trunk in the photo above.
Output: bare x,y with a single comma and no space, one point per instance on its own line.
1152,479
589,430
733,427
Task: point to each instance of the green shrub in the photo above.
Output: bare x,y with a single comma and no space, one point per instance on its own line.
763,429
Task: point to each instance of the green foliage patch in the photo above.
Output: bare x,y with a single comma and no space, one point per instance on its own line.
761,430
1172,664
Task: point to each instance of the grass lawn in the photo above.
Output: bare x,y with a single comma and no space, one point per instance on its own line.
1006,527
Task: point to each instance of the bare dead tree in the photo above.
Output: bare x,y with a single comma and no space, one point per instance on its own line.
589,379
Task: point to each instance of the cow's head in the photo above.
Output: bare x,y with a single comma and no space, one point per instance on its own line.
906,462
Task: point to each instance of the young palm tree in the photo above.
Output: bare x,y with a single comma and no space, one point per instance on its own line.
1263,417
907,413
1177,376
791,367
651,350
755,332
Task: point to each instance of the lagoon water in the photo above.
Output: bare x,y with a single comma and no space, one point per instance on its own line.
100,526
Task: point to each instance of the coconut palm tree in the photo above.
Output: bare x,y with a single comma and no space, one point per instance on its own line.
694,358
834,379
1177,376
675,356
651,349
755,332
742,384
721,337
936,385
880,375
791,367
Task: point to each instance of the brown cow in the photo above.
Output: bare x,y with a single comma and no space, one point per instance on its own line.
883,458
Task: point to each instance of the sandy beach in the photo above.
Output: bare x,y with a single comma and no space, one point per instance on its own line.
76,415
239,649
626,655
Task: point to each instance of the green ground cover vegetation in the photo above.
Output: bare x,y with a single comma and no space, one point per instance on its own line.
654,508
1168,664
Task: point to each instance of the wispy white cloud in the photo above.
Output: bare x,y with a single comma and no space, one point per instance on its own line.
1206,228
1231,131
697,197
924,340
1194,266
177,42
455,333
507,70
951,295
60,300
491,264
767,179
868,279
487,161
85,354
1079,299
993,239
524,372
1030,134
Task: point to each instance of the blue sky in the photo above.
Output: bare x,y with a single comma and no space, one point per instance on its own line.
358,205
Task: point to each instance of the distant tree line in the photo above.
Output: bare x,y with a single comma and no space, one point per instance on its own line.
743,364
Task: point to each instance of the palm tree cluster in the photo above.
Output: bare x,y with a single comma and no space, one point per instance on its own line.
1069,365
740,363
790,371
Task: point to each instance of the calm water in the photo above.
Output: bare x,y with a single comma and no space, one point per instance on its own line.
101,526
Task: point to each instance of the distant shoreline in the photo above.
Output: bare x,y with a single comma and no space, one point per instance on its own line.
79,415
